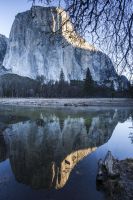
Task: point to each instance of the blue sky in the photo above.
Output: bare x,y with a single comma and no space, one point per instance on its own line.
8,10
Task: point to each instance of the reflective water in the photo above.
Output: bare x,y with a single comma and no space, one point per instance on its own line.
53,153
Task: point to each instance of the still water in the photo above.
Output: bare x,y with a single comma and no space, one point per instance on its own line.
52,153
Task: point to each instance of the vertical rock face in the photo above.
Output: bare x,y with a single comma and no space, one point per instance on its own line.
3,47
35,49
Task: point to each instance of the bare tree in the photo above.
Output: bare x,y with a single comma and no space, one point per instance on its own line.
106,23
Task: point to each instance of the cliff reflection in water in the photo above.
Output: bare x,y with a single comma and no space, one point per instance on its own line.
43,151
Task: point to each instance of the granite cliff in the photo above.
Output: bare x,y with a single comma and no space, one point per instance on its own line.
42,42
3,48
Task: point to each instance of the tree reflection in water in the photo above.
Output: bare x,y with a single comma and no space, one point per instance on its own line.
44,147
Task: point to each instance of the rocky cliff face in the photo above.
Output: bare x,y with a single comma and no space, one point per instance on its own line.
3,47
40,45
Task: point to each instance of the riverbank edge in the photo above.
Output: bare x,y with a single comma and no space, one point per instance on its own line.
42,102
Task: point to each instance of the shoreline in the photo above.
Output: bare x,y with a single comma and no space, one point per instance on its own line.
64,102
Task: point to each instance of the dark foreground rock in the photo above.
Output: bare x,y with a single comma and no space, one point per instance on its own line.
118,186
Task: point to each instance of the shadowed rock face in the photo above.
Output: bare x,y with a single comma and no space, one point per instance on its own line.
3,47
35,49
44,150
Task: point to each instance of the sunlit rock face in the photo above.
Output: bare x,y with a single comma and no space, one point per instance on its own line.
43,151
40,45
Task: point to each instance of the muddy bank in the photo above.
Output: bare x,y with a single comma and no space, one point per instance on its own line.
40,102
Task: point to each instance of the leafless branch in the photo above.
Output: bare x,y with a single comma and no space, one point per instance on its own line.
106,23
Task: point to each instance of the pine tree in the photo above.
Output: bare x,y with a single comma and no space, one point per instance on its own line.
88,83
62,79
61,86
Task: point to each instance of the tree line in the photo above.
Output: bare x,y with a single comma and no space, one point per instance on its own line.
12,85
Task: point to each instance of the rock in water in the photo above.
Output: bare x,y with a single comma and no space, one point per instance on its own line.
115,178
109,163
40,45
100,173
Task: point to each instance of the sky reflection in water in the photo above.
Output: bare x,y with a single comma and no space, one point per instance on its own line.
51,150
